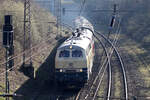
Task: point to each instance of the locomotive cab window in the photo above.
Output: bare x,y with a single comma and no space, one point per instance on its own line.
64,53
77,53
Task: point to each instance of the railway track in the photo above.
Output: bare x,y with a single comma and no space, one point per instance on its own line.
121,64
84,93
108,65
94,88
96,83
66,96
98,79
37,51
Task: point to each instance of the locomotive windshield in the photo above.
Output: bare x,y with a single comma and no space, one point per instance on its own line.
64,53
77,53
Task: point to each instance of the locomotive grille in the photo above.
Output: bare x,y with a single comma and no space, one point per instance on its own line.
70,65
70,71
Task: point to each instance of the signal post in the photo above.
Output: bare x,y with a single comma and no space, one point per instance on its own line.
8,44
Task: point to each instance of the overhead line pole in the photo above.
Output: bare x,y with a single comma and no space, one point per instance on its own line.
57,13
82,7
27,29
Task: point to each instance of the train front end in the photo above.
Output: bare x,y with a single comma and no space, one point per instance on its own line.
71,66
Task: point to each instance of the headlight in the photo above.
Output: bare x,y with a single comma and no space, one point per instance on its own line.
61,70
81,70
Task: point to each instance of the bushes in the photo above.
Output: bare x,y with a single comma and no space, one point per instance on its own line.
39,19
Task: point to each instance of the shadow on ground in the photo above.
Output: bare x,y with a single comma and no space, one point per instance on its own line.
42,87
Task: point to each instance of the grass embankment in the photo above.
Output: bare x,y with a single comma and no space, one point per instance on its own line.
138,68
136,59
1,91
40,30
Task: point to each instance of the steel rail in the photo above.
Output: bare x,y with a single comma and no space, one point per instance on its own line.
110,76
109,90
121,63
111,52
109,57
109,69
94,82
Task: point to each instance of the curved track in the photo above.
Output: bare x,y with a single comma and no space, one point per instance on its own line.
121,64
99,77
98,80
109,70
95,85
85,92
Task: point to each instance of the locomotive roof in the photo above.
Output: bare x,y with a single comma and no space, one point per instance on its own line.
82,41
82,22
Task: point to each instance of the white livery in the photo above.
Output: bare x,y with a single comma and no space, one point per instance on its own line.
74,58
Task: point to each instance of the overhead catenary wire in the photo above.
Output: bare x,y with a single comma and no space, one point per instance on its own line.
20,54
41,50
81,11
82,7
111,51
32,48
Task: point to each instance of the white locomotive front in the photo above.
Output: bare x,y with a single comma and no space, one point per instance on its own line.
74,58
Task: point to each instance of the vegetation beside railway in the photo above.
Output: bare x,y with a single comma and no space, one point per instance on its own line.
134,39
133,44
135,14
137,60
42,32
